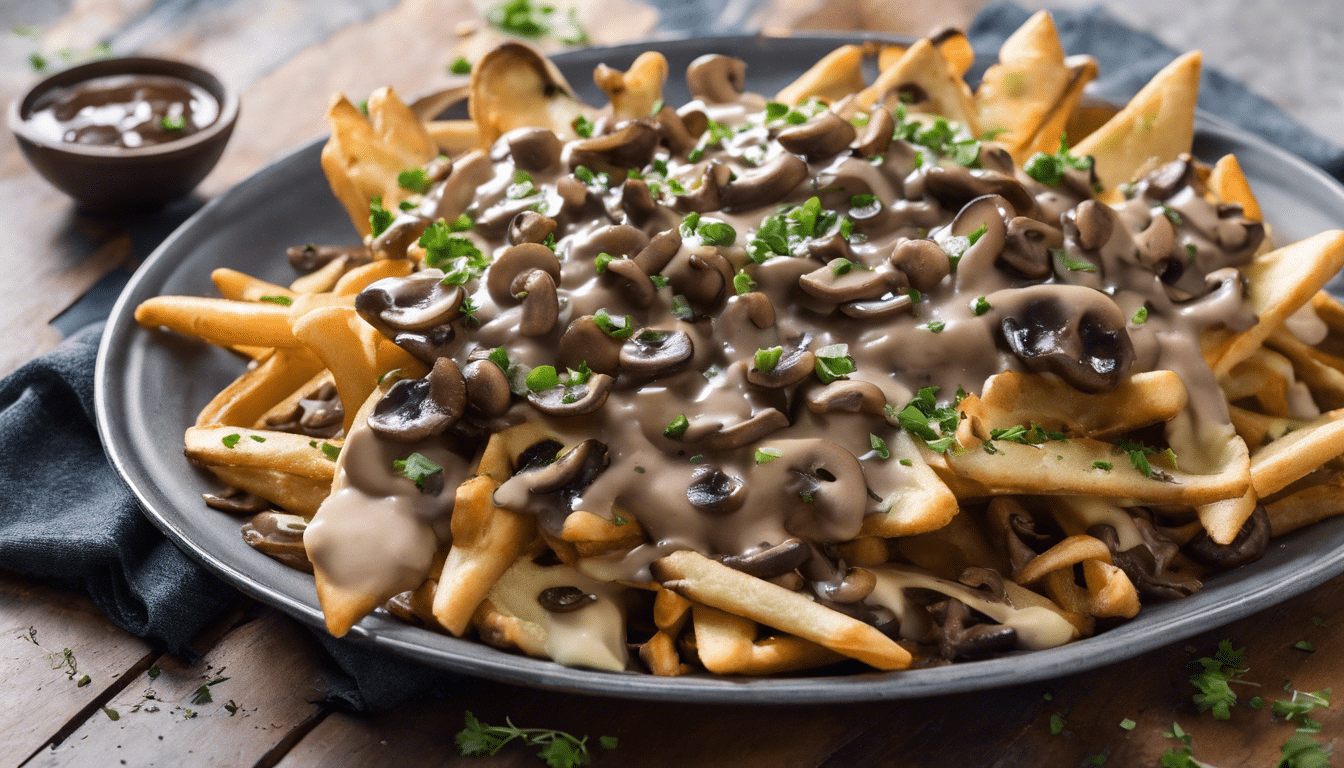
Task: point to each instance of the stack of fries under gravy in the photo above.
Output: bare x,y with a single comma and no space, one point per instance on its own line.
880,371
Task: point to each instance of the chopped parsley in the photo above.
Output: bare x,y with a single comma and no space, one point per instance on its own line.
1128,724
457,256
879,446
414,180
283,301
790,229
743,283
379,217
1050,169
460,66
980,306
678,427
715,133
230,440
1072,264
1303,645
1140,316
601,262
717,233
330,451
542,378
766,359
1297,708
1302,751
767,455
522,185
1032,435
1213,682
417,468
924,420
173,123
843,266
980,231
1171,214
935,326
1138,458
1104,466
834,362
682,308
659,282
583,127
1056,724
615,327
520,18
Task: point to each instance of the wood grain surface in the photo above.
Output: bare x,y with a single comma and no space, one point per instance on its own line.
287,58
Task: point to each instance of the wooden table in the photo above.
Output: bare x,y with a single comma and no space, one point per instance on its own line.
136,706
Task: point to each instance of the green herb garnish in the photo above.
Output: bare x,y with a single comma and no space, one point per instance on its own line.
417,468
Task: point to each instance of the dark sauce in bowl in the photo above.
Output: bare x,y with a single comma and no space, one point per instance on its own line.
125,111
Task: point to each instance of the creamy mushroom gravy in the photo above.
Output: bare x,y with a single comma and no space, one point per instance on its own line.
126,111
945,264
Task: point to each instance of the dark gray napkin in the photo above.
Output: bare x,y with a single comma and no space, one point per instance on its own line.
90,535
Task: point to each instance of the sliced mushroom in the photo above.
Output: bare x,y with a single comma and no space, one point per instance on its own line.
857,584
280,536
1096,222
1146,564
235,501
796,364
310,258
714,492
613,239
716,79
584,341
760,424
534,149
879,309
638,287
565,599
847,396
829,248
957,638
413,303
488,390
710,276
824,136
576,400
955,186
755,306
414,409
1026,249
317,414
876,136
1074,332
676,135
768,561
768,184
708,196
652,353
1167,179
857,284
631,146
514,261
637,201
984,580
923,261
530,227
829,481
1248,546
574,470
541,304
432,344
653,257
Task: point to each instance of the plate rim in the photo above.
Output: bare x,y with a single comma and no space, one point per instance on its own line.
476,659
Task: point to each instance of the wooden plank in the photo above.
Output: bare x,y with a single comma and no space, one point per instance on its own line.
273,686
421,733
39,687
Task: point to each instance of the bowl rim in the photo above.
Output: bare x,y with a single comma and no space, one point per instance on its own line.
21,107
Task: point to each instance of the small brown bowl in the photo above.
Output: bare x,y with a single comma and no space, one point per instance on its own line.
124,180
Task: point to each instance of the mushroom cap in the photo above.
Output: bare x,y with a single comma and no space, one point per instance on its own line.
652,353
1076,333
514,261
716,79
413,409
414,303
573,400
488,390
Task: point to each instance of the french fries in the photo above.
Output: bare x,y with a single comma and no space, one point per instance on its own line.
826,503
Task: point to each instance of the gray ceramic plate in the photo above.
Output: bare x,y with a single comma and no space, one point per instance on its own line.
151,385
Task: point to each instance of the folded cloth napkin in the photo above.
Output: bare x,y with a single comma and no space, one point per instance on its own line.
91,535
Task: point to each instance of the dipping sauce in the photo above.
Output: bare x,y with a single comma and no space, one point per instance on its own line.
124,111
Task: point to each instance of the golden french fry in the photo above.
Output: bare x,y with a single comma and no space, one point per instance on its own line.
263,449
219,321
951,549
715,584
949,41
291,492
727,645
1229,185
1298,452
1014,399
361,277
1307,506
1223,519
1078,468
323,279
1155,127
398,127
926,69
1109,591
633,93
280,411
921,503
1281,282
1058,126
659,654
593,535
1019,92
838,74
1266,376
453,137
259,388
513,86
348,347
1321,372
1064,555
239,286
